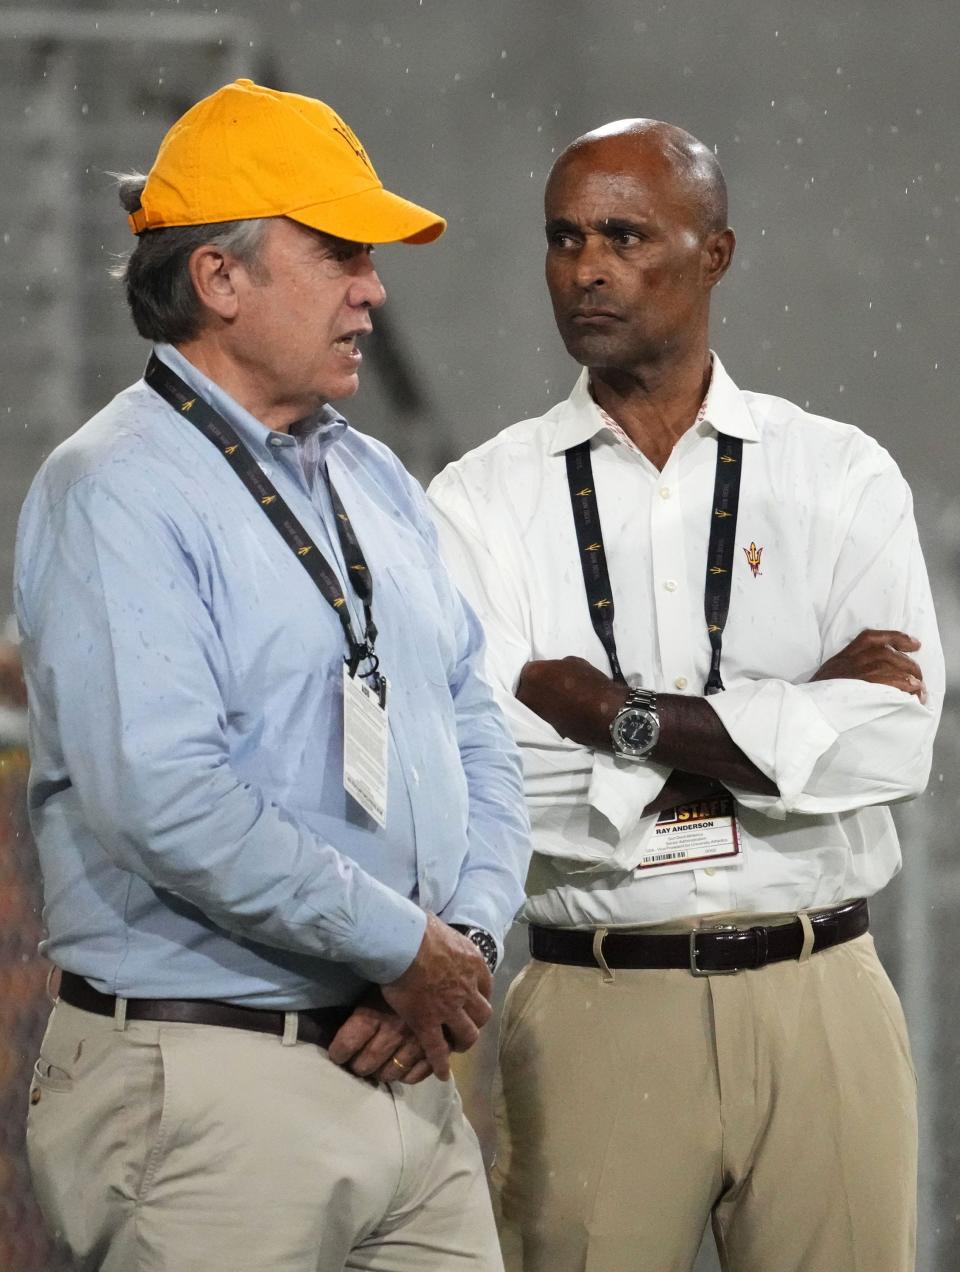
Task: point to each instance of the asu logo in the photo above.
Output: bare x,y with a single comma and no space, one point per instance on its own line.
188,405
605,603
753,555
267,500
352,140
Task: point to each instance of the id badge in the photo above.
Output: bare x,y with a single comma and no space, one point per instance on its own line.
692,836
365,745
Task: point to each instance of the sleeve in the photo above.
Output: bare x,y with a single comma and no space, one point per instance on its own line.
835,745
124,655
489,890
559,775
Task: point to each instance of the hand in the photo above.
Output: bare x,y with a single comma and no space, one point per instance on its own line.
376,1043
881,658
444,995
574,697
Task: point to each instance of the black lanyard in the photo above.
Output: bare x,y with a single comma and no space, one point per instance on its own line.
215,429
720,550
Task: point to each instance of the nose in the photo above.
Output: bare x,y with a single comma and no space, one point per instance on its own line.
366,290
589,268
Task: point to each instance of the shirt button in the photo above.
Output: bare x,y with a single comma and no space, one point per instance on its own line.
671,585
275,441
664,492
710,870
681,682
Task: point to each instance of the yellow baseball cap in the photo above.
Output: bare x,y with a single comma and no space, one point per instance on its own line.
247,151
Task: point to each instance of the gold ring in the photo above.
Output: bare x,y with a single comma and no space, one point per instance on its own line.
400,1064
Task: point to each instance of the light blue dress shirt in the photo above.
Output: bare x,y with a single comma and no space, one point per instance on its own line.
184,673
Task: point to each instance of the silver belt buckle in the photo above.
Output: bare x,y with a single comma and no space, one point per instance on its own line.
697,971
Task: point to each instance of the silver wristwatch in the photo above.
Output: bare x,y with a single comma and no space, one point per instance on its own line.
635,729
482,940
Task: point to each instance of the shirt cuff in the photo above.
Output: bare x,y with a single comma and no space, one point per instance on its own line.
621,789
782,731
396,926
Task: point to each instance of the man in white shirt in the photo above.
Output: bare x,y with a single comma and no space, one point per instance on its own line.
710,624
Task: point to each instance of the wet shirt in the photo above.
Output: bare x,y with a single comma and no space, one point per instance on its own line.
826,546
185,681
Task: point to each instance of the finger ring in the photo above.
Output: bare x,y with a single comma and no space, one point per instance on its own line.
399,1063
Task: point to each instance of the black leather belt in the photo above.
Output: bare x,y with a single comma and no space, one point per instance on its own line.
316,1024
708,951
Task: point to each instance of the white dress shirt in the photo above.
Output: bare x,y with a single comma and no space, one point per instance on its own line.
831,517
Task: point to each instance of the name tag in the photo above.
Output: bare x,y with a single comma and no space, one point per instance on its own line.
365,745
692,836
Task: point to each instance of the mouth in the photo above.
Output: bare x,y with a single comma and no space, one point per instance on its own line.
593,317
346,345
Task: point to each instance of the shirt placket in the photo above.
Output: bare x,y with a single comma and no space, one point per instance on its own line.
669,578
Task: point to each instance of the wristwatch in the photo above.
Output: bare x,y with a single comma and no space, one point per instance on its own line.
482,940
635,729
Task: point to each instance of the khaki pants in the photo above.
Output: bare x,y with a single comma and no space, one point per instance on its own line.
779,1102
193,1148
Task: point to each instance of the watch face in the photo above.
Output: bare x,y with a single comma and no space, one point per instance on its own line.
486,945
635,731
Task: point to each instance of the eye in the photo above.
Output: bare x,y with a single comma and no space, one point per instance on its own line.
561,238
625,238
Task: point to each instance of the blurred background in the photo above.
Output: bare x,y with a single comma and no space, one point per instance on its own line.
836,126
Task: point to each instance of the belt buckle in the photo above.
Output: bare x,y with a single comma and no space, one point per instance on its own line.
699,971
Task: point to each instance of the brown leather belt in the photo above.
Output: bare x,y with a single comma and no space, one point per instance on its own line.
708,951
316,1024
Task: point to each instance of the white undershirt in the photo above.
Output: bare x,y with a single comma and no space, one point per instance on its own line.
831,518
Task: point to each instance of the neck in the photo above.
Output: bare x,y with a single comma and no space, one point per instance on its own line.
246,388
654,405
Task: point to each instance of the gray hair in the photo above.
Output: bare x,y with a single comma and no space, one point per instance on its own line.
155,274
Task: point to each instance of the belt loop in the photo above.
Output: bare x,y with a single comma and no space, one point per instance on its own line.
806,948
120,1014
599,936
291,1027
50,975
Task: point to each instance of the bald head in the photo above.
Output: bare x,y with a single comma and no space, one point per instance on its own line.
645,145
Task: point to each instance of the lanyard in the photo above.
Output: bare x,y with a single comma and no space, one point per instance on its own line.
720,551
215,429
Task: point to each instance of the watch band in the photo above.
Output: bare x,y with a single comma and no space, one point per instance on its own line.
645,698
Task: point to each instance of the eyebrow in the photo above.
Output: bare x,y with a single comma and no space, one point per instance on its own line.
612,224
609,225
560,223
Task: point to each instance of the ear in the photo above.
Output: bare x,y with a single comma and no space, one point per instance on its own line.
718,249
213,277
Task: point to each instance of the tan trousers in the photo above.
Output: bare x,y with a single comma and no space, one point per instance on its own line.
781,1103
193,1148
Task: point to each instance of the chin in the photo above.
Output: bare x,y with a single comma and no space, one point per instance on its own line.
593,350
345,388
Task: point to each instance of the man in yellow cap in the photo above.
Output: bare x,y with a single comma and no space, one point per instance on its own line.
279,816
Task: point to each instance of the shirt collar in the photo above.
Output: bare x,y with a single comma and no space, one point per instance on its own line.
579,418
326,425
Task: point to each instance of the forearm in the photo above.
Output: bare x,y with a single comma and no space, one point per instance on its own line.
581,703
693,739
683,788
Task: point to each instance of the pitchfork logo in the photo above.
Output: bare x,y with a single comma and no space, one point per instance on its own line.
753,555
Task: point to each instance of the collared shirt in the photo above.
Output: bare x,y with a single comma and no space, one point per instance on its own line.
826,546
185,681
